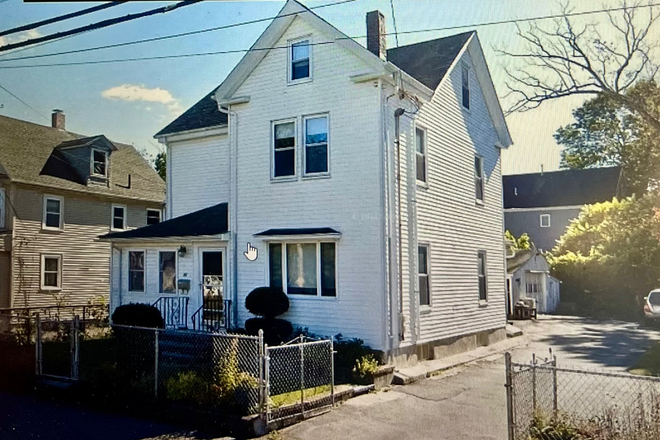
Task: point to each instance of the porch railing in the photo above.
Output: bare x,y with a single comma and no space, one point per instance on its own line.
174,310
213,316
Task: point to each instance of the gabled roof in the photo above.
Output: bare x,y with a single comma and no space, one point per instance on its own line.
429,61
28,155
203,114
561,188
208,221
86,142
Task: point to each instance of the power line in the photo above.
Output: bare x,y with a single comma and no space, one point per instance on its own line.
37,24
396,34
225,52
167,37
99,25
23,102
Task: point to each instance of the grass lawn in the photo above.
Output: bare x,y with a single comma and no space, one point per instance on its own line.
649,363
294,396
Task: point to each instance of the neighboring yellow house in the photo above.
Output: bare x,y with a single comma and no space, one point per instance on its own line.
58,192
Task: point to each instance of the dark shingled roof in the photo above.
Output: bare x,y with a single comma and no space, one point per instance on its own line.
208,221
27,154
298,231
561,188
429,61
201,115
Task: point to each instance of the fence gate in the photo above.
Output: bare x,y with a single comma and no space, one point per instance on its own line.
299,378
57,348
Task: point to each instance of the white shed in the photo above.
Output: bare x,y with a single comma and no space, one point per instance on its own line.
528,276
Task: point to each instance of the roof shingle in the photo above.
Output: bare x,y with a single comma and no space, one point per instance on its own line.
203,114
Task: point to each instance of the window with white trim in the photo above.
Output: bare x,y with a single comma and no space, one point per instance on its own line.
53,207
118,217
303,268
99,163
465,86
51,272
284,149
167,271
544,220
423,269
483,280
479,178
136,271
316,144
420,154
300,60
153,216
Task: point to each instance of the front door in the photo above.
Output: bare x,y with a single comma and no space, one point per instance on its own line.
213,289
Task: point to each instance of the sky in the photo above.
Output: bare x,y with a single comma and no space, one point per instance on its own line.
130,101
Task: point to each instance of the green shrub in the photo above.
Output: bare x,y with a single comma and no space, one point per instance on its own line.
348,352
366,366
138,315
190,387
267,302
276,331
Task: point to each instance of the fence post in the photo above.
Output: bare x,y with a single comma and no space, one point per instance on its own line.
75,345
38,354
534,382
302,378
509,396
267,383
156,363
260,350
332,371
555,396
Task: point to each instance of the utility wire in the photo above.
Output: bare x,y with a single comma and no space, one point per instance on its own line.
37,24
166,37
99,25
24,103
396,34
225,52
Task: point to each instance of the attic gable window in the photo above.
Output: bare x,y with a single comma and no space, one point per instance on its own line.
300,60
99,163
465,86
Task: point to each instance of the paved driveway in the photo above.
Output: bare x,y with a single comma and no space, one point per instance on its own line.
469,402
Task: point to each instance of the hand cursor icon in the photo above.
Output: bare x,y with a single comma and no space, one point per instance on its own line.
251,253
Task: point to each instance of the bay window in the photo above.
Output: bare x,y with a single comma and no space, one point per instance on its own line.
303,268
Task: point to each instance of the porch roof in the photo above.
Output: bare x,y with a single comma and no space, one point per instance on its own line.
208,221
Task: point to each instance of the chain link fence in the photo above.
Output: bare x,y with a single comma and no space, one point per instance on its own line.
299,377
548,402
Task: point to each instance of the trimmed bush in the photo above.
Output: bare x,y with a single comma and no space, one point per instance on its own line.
138,315
267,302
276,331
350,357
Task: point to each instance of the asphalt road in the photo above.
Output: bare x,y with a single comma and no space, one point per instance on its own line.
465,403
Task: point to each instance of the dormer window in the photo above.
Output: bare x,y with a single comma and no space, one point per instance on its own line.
300,61
99,163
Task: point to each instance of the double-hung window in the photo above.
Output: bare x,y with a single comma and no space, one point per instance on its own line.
51,272
544,220
316,144
136,271
420,154
483,294
284,149
299,61
99,163
303,268
153,216
423,275
479,178
118,217
167,271
465,86
53,207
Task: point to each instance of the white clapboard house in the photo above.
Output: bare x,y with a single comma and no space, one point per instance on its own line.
365,182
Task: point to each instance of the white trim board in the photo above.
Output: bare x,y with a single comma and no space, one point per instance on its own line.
544,208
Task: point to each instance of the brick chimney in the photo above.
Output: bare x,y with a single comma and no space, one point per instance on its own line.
58,119
376,34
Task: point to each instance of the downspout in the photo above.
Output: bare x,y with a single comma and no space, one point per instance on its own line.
232,128
397,141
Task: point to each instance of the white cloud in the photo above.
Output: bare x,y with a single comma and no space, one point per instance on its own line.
21,36
138,92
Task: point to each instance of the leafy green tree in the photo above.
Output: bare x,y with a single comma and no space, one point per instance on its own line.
605,133
160,164
521,243
608,259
